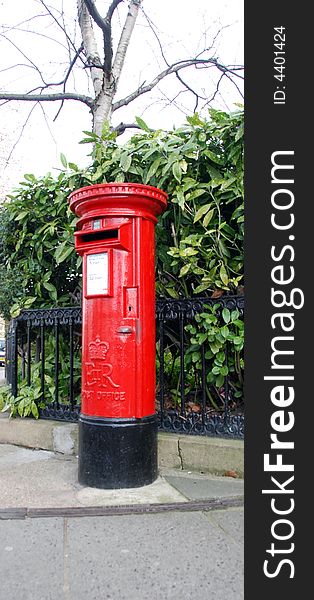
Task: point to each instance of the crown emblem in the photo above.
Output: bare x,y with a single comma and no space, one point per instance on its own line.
98,349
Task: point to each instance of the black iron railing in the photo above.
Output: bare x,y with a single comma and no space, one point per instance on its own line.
44,350
43,347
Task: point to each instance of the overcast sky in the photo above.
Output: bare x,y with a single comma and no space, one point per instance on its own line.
185,28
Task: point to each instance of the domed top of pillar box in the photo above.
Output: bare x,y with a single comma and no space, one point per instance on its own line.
118,199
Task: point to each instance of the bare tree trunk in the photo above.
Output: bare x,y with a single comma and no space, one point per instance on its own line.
105,77
102,111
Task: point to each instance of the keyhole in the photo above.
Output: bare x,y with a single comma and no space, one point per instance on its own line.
130,308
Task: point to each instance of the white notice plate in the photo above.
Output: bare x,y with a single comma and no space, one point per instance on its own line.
97,276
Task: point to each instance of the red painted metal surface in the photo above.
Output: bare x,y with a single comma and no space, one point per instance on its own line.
116,237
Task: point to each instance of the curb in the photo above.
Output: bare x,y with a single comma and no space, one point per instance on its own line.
218,456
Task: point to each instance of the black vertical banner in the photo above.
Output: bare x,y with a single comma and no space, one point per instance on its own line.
279,257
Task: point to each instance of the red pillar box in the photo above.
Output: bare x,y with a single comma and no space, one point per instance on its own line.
118,424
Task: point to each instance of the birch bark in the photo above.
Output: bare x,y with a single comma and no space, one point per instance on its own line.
105,83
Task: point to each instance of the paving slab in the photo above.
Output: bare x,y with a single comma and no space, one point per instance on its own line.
37,478
31,565
232,526
170,556
198,487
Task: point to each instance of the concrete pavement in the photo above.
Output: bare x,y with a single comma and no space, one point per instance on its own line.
179,538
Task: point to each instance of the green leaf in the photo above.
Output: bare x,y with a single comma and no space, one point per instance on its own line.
224,331
30,177
208,217
240,132
202,211
51,289
172,292
29,301
185,269
63,254
15,310
201,288
214,173
73,166
196,193
202,137
49,286
22,215
234,315
177,171
64,160
21,407
226,315
142,124
34,410
152,169
223,274
202,337
196,356
188,252
220,380
216,159
223,248
181,199
91,134
227,183
125,162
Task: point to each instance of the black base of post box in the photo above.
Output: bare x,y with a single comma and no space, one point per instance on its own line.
117,453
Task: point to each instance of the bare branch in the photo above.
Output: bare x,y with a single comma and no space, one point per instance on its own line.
20,134
197,96
47,122
72,63
234,83
25,56
47,37
230,68
120,129
217,34
152,28
47,97
216,90
105,26
94,13
8,28
70,42
173,101
125,40
183,64
112,8
96,16
16,66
